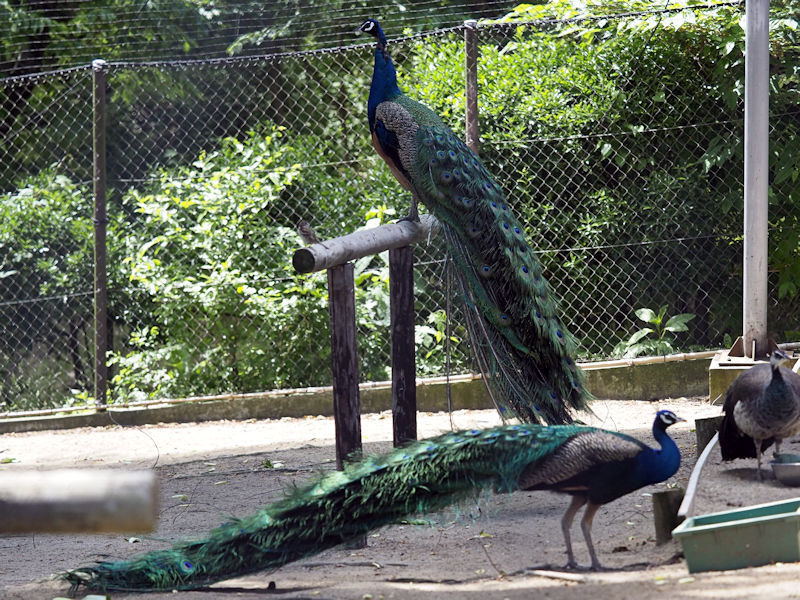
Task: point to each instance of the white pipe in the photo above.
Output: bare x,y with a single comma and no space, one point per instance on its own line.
756,147
687,506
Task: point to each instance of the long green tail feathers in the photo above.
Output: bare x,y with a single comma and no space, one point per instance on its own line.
342,505
524,348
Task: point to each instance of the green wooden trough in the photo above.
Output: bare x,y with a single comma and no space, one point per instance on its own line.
746,537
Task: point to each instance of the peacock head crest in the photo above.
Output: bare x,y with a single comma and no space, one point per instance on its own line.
777,356
373,28
665,418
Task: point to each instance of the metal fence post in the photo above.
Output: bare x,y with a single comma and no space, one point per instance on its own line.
756,173
100,221
471,82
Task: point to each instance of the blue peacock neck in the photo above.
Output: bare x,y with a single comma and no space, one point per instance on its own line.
384,84
668,458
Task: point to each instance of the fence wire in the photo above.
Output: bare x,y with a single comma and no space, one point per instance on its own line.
622,185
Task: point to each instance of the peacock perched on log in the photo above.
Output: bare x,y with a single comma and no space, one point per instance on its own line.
761,406
595,466
522,346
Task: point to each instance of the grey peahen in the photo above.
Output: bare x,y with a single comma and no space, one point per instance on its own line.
761,406
595,466
521,344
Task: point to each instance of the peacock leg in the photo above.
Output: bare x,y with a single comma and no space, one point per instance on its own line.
758,458
566,523
586,528
413,213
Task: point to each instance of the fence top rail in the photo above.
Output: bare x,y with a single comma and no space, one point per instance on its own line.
486,24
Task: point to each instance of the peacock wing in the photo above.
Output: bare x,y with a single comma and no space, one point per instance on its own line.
578,455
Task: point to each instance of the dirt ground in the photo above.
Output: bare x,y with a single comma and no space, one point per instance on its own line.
502,547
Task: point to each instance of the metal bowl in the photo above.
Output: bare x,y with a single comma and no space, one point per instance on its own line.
788,473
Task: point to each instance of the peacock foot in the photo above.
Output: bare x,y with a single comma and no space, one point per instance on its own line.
412,216
572,565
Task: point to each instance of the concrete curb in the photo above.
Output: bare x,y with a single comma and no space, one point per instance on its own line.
634,382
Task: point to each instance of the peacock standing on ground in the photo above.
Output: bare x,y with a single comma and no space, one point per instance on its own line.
761,406
521,344
595,466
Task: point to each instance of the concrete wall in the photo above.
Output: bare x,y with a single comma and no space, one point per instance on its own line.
637,382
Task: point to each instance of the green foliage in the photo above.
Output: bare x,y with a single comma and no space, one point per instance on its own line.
45,257
640,342
626,133
225,312
208,259
614,136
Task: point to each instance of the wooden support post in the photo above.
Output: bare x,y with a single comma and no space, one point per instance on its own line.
78,501
665,513
404,389
344,361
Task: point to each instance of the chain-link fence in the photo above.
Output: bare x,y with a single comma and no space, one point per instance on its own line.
619,157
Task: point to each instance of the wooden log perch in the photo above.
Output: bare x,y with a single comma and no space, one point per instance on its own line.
78,501
337,251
